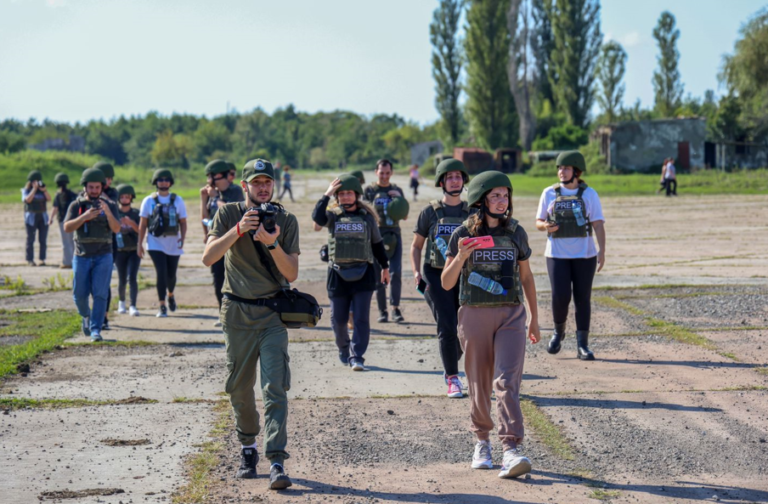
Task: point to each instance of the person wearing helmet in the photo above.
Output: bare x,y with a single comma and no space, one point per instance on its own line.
391,206
164,215
109,174
488,257
259,263
359,175
35,195
215,194
434,227
93,220
126,258
354,242
571,214
64,197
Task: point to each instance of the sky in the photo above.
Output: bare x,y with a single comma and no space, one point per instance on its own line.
76,60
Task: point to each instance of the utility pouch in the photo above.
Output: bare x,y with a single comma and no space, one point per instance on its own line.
351,272
507,274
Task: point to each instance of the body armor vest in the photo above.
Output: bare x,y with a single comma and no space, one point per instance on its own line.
38,204
563,214
498,263
162,213
350,239
96,230
130,237
381,199
442,227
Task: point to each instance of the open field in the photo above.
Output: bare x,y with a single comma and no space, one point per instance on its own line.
675,409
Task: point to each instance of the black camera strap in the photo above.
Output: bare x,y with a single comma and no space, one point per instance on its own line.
265,259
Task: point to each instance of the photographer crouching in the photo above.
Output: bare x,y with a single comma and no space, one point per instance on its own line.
259,241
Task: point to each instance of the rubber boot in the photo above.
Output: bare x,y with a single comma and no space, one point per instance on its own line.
582,345
555,344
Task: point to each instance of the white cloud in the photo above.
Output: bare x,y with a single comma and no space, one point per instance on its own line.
631,39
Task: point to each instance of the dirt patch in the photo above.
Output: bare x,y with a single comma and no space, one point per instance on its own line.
125,442
77,494
14,340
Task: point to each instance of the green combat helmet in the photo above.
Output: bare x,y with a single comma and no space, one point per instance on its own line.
359,175
93,175
106,168
61,178
217,166
484,183
572,158
256,167
34,175
398,208
162,173
126,189
449,165
349,182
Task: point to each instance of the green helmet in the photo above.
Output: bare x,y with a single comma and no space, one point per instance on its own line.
161,173
449,165
105,167
217,166
350,183
359,175
572,158
61,178
398,208
125,189
93,175
483,183
34,175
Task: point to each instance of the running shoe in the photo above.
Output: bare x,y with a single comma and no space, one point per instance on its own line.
121,307
86,326
278,480
344,357
514,464
383,317
248,460
133,311
105,325
397,316
172,303
162,312
482,457
454,387
96,337
356,364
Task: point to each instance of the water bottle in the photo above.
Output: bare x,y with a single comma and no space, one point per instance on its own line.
172,216
442,246
120,242
389,221
486,284
207,222
579,216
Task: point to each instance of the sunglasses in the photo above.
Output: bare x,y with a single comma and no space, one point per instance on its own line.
218,178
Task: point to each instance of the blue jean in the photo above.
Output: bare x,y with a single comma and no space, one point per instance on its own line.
395,279
92,276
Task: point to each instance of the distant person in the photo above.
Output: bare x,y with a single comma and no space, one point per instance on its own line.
93,219
670,178
35,196
164,215
127,259
571,214
414,173
64,197
286,183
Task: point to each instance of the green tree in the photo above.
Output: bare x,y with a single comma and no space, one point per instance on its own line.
211,137
172,150
575,49
490,108
667,85
521,68
446,66
11,142
542,43
610,72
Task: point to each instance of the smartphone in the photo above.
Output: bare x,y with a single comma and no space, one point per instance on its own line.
422,287
485,241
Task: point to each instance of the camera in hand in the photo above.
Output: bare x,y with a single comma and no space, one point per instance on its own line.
96,203
267,213
41,184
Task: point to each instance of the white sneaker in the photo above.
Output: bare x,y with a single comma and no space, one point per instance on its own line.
133,312
217,323
514,464
482,457
121,307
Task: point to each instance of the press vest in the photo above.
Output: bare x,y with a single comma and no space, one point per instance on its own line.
130,237
38,204
163,214
563,213
96,230
350,238
381,199
442,227
490,263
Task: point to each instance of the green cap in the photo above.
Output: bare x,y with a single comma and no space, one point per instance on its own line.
398,208
34,175
162,173
350,183
485,182
217,166
108,169
93,175
256,167
449,165
125,189
572,158
359,175
61,178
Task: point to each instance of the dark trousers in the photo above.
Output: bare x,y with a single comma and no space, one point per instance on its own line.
286,189
165,267
572,275
395,279
41,227
671,187
444,305
217,270
127,263
360,304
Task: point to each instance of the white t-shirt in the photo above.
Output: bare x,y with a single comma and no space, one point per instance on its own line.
670,173
167,244
571,248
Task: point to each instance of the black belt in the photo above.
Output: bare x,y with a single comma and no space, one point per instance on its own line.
254,302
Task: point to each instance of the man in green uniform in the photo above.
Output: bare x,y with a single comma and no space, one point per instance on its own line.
256,333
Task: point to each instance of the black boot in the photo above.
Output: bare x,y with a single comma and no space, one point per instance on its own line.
557,339
582,343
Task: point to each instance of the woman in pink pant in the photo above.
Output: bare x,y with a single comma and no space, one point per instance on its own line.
495,281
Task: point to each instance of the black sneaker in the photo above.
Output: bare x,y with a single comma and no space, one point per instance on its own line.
278,480
397,316
86,326
248,460
344,357
383,317
172,303
162,312
105,325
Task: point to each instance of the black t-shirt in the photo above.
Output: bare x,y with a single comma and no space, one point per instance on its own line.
429,216
520,237
62,200
90,249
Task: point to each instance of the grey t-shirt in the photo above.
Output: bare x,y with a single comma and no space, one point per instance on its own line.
520,237
428,216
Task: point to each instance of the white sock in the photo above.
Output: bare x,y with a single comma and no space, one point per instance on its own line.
251,446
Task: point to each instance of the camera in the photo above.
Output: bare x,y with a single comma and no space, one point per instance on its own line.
96,203
41,184
267,213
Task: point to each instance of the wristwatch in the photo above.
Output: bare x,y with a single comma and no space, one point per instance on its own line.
273,246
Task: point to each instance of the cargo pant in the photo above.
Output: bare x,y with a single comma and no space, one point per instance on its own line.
493,339
256,334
